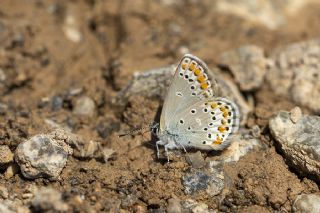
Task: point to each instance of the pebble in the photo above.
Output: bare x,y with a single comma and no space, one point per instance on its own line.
84,106
193,206
174,206
13,206
295,73
56,103
71,29
295,114
241,144
3,76
11,171
6,156
209,179
307,203
248,66
43,155
4,194
48,199
3,108
195,160
299,142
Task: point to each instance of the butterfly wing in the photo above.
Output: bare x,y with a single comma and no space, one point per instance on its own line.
190,84
208,124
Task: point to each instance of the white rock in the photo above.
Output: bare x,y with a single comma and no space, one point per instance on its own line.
307,203
174,206
248,65
300,142
43,155
295,114
6,156
84,106
49,199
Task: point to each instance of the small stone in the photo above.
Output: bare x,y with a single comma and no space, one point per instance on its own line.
3,108
248,65
299,142
4,194
48,199
3,76
56,103
174,206
195,160
6,156
307,203
13,206
295,114
209,179
84,106
11,171
107,153
193,206
256,132
43,155
241,144
71,29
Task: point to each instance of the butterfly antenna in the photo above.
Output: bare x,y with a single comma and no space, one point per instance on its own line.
152,126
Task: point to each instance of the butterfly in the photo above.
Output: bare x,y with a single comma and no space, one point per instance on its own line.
191,116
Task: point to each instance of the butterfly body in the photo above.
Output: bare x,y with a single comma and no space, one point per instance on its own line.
191,116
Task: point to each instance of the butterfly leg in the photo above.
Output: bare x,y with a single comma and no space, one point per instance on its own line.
157,145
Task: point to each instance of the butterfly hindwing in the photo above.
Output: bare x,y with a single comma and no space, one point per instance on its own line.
208,123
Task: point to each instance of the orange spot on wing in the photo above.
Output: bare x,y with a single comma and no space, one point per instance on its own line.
197,72
221,129
192,67
201,79
225,113
204,86
214,105
184,66
217,141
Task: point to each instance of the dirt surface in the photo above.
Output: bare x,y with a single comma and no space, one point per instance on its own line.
43,65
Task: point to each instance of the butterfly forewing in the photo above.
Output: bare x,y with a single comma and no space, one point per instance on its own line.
190,84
